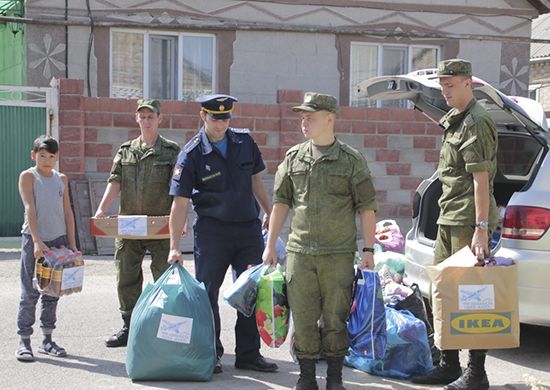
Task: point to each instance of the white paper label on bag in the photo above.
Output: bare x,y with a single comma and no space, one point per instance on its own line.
72,277
476,297
132,225
174,328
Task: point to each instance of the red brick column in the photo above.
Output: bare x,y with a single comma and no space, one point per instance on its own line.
71,128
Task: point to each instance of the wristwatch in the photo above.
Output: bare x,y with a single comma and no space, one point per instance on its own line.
483,225
366,249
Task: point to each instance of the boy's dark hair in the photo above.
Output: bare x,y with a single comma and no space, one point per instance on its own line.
47,143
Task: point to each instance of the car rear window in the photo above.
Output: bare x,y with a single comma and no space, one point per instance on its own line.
517,154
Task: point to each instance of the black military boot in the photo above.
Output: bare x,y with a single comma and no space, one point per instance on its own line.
120,339
307,380
474,377
446,372
334,373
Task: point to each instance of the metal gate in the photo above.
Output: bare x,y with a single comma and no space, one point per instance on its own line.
25,113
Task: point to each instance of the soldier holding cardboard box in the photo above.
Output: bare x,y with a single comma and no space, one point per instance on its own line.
467,167
141,173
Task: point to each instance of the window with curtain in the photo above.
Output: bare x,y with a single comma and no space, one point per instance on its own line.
369,60
161,66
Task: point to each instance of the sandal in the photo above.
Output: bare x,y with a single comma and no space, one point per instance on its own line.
52,349
24,353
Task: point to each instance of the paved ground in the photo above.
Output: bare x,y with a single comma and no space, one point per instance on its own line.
86,319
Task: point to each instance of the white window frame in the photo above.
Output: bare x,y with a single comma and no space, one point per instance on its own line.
380,63
146,34
536,88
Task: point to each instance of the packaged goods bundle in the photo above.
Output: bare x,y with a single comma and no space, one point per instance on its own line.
367,321
389,236
242,294
272,311
475,307
172,333
407,351
60,272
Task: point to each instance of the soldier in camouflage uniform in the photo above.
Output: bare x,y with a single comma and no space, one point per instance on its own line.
141,173
327,183
467,167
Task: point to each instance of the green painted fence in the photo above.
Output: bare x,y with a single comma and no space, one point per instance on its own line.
19,126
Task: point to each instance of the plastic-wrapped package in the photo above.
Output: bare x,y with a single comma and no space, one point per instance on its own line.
407,351
389,236
60,272
272,311
367,325
242,294
172,330
395,261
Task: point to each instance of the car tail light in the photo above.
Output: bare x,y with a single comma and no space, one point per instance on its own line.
525,223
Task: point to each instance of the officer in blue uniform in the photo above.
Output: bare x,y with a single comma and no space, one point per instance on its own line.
219,170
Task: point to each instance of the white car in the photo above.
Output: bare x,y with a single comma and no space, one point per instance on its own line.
521,186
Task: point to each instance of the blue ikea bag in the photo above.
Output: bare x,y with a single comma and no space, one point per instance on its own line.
367,322
407,351
172,330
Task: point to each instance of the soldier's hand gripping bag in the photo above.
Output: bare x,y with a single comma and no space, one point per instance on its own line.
272,312
172,331
367,322
242,294
474,307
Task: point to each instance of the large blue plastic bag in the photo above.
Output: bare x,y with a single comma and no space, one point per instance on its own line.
242,294
172,330
407,351
367,322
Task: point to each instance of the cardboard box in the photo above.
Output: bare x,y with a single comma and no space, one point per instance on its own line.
474,307
136,227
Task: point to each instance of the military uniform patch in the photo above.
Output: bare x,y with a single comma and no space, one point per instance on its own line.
177,173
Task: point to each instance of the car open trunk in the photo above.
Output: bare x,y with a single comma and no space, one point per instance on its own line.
518,158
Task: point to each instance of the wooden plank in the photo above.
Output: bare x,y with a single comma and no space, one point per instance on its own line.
97,184
80,200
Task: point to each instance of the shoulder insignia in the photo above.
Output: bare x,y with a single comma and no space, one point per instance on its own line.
469,120
192,144
169,143
293,150
240,131
350,150
177,172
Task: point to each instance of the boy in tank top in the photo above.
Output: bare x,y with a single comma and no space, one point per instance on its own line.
49,222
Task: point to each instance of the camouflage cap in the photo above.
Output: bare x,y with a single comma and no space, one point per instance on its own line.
151,104
454,67
314,101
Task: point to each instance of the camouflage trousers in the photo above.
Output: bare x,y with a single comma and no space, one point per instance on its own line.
320,287
451,239
129,256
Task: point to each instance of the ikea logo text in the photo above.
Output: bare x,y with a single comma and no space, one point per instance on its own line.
481,323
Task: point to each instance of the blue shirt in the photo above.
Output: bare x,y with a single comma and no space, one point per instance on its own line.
219,187
222,146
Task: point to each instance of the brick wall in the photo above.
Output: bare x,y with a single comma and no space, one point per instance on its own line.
401,145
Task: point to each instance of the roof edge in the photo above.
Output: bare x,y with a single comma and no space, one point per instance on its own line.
542,6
